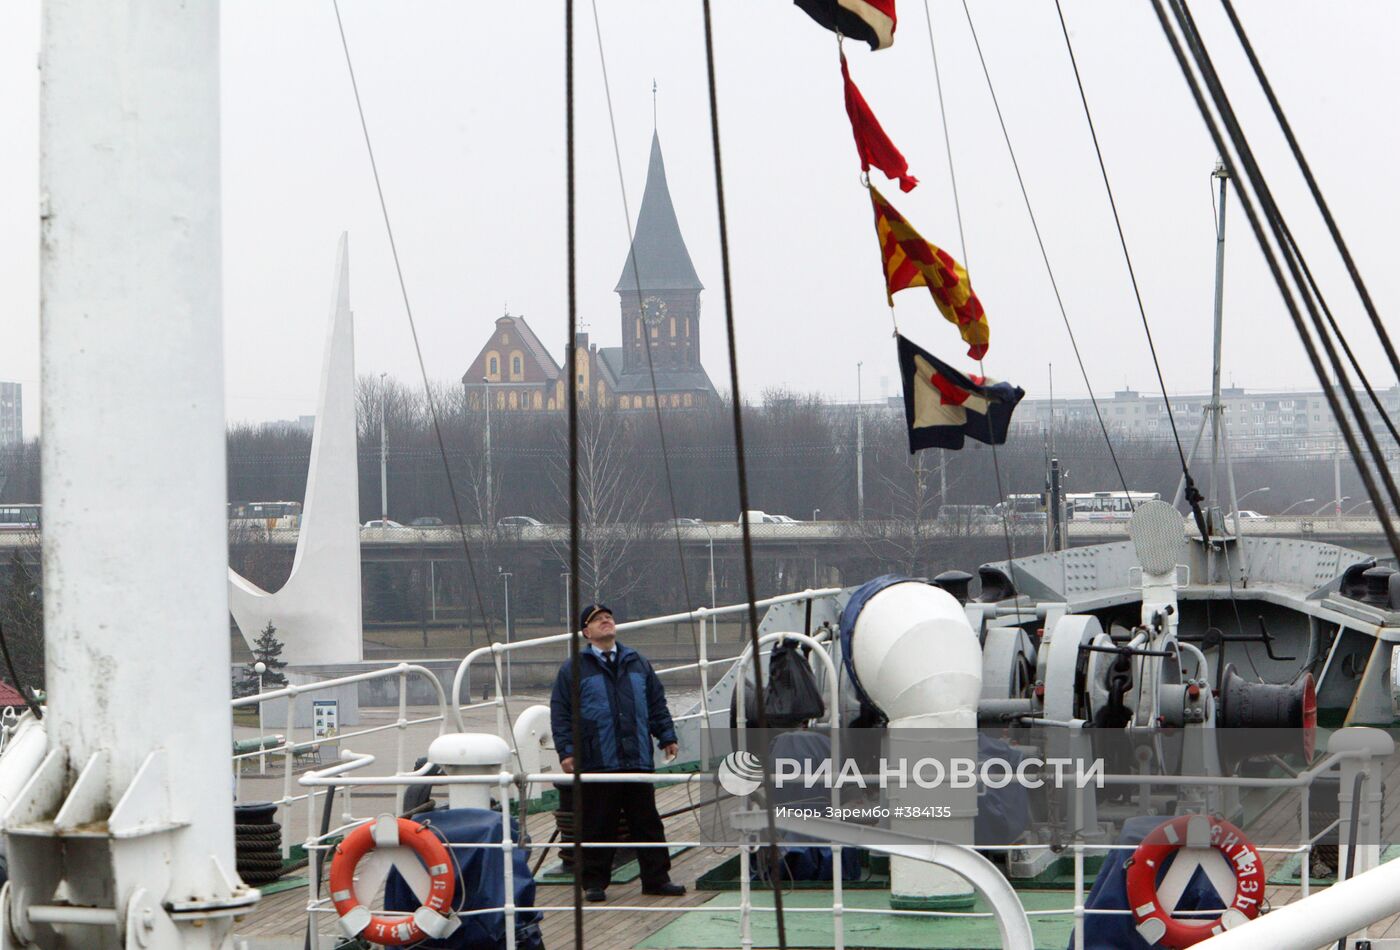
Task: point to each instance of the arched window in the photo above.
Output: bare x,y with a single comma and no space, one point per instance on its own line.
515,365
688,400
673,327
493,367
539,399
514,400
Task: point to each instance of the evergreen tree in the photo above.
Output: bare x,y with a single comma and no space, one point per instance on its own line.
22,616
267,648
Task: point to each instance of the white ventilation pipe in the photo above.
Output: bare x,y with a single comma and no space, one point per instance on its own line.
534,743
918,659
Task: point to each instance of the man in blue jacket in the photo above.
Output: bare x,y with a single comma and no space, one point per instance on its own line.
622,707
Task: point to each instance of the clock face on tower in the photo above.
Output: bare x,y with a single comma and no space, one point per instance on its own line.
653,311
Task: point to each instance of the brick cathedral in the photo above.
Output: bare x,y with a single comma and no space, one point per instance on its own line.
659,303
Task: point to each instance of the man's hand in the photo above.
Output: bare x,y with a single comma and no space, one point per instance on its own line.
567,764
671,749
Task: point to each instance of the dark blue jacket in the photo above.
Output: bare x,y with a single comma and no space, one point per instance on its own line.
621,709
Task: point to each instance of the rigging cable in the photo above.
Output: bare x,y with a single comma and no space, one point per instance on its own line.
766,780
1045,256
1297,150
1193,494
1341,337
1255,178
962,246
1321,202
570,360
1292,256
423,370
646,339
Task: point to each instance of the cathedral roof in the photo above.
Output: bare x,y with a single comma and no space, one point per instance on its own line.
658,259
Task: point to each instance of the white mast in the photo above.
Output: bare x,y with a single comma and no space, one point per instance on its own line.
132,807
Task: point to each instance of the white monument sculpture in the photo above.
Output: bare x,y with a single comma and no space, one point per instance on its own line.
317,612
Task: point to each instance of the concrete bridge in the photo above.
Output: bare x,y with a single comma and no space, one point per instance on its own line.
445,542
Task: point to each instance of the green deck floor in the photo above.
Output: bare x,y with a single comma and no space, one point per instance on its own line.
704,928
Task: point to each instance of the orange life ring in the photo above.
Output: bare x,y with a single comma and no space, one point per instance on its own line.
1155,924
431,919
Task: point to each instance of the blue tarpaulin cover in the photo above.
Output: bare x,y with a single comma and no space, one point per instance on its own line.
480,883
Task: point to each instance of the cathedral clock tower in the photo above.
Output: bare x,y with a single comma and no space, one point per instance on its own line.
659,295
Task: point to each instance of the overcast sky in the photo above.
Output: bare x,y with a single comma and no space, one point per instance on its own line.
465,103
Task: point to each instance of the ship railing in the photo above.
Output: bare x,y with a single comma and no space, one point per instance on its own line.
1360,787
289,748
703,615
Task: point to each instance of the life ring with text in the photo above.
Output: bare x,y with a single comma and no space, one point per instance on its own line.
1155,923
432,919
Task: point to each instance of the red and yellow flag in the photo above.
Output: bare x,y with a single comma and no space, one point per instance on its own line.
910,261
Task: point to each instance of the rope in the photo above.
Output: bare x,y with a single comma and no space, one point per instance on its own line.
962,247
1313,187
1193,494
1044,255
1293,259
761,714
576,672
422,366
646,336
1255,178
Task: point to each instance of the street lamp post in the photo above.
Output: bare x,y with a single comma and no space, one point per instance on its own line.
1305,501
260,668
714,624
505,579
1336,502
383,460
565,578
860,450
815,512
1254,491
1360,504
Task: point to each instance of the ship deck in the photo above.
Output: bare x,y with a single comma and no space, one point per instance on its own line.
280,920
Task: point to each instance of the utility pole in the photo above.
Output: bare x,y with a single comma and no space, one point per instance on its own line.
383,460
1337,483
489,508
860,450
1057,509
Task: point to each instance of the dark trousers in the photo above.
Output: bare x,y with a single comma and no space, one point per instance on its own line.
636,801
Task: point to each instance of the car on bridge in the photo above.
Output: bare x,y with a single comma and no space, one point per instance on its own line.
519,521
382,523
753,516
428,521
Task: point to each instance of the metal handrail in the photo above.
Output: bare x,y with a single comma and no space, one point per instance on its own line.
340,775
699,613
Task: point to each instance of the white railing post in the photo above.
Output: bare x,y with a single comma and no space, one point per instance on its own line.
403,736
284,807
508,861
1305,838
705,740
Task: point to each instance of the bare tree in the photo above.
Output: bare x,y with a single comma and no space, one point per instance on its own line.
611,503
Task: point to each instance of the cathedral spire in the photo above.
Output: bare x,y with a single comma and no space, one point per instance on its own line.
658,256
